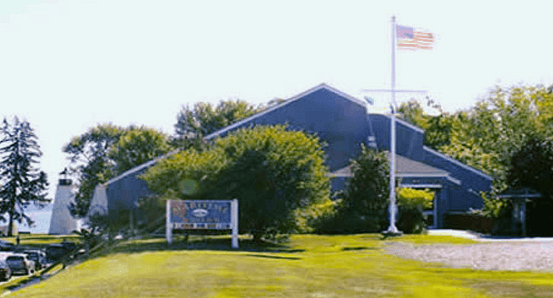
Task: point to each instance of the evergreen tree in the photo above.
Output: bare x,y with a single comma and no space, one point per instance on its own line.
22,183
365,200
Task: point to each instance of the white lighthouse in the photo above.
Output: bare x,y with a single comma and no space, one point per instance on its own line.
62,223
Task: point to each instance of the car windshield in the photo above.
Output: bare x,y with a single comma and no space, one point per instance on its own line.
12,260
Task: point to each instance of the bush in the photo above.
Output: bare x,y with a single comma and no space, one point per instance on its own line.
413,198
411,203
411,220
494,207
348,223
472,221
314,218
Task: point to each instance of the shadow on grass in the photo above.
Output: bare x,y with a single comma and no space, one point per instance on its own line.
359,248
272,257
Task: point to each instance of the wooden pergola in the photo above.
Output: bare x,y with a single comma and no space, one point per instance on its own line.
519,197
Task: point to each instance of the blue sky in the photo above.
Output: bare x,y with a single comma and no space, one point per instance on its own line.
66,66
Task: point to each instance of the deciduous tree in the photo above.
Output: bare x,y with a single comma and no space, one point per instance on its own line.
532,167
89,157
271,171
437,128
106,151
136,146
412,112
204,118
486,135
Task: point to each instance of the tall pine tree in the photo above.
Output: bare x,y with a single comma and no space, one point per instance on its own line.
21,182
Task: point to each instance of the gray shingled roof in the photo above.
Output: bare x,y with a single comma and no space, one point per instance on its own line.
405,167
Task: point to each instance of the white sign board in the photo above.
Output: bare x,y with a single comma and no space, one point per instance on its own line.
202,214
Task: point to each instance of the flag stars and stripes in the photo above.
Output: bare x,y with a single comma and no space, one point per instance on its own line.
412,39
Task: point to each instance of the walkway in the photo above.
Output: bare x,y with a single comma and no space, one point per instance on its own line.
493,253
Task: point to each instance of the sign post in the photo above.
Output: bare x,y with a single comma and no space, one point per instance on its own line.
202,215
168,225
234,220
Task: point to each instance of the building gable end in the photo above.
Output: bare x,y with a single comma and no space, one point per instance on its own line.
281,105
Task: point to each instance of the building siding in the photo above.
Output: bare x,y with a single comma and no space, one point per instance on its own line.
337,121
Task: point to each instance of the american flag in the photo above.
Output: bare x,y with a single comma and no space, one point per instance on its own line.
409,38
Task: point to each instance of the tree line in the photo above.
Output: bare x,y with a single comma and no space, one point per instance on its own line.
506,135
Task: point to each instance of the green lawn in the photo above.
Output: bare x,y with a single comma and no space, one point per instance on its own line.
307,266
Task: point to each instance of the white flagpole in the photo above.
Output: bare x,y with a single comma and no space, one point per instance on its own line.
392,228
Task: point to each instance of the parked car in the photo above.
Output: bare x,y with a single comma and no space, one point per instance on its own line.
5,254
5,272
70,246
37,256
55,252
6,246
20,263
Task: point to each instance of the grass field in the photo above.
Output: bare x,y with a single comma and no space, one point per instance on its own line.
307,266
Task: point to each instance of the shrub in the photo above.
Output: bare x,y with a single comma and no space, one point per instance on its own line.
314,218
411,203
413,198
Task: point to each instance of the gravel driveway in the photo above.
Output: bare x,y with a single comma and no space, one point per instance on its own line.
496,255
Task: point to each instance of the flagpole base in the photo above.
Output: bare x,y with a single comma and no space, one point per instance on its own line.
392,231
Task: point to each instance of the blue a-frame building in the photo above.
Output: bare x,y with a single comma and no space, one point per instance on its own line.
343,123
